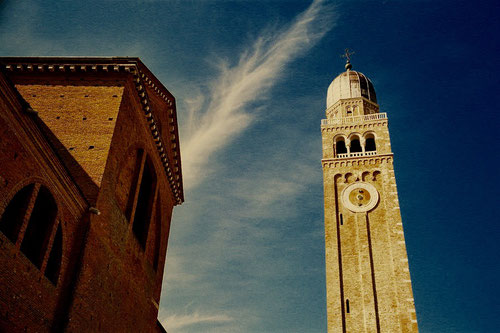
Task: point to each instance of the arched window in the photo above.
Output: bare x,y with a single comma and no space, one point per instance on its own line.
34,210
132,193
39,227
135,192
144,203
355,145
340,147
370,143
126,181
13,216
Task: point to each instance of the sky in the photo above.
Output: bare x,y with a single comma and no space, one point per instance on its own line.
246,249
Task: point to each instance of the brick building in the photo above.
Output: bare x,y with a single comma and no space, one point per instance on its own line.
89,174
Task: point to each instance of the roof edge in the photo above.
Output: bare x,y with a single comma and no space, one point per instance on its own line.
141,75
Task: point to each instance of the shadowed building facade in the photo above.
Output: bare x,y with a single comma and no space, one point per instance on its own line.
368,280
89,174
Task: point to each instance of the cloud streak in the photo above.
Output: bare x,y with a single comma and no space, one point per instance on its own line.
240,226
226,111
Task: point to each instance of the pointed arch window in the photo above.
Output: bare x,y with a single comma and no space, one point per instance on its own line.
29,220
138,203
144,203
40,224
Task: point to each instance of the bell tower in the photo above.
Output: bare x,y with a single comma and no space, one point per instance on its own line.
367,274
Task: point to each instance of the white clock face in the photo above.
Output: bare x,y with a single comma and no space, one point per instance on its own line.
360,197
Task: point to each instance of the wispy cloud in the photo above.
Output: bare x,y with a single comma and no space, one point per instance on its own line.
232,237
176,322
226,111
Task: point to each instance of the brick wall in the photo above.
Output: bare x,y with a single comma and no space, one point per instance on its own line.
28,298
90,145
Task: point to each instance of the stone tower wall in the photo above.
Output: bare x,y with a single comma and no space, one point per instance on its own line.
368,281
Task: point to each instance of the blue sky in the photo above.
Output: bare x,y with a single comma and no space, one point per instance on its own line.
246,251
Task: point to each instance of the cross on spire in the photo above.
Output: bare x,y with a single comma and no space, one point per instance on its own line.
347,55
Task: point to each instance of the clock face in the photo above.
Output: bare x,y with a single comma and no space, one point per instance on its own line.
360,197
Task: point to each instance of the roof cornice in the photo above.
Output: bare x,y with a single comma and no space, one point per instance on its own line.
142,77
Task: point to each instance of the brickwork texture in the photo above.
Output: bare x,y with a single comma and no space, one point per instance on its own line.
89,175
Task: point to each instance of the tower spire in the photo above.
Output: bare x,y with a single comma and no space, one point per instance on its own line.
347,55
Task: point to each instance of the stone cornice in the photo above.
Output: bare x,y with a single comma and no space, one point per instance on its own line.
141,77
363,160
358,126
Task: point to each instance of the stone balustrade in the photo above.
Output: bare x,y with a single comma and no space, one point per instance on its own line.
357,154
354,119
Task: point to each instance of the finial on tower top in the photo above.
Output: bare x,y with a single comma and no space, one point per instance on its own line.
347,55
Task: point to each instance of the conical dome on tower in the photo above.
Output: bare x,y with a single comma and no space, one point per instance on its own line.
350,84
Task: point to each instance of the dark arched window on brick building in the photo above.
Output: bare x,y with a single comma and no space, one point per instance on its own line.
135,174
141,196
40,225
30,218
142,216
